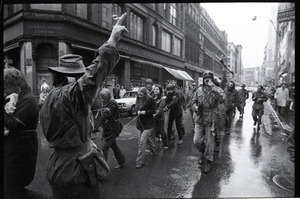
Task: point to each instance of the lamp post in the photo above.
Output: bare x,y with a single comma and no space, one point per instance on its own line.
276,47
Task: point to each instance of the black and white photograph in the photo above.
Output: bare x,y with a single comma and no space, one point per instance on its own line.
149,100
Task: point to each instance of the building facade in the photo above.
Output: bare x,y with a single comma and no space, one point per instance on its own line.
252,76
215,44
286,42
161,43
234,62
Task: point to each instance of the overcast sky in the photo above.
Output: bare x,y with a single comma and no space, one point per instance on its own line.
236,20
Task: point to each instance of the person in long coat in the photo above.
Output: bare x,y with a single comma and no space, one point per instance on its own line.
76,166
205,104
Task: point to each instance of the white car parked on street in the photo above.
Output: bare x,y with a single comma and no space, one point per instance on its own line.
127,102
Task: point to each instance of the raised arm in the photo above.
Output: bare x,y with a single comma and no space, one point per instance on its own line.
106,58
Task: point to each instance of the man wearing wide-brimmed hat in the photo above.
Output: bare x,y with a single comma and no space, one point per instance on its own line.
76,165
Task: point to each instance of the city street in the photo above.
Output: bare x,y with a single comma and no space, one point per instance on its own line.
244,167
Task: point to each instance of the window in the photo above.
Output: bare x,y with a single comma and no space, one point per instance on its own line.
166,41
46,6
117,10
177,46
165,11
173,14
154,33
81,10
106,16
136,27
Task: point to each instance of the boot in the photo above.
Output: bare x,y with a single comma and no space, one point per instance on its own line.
207,166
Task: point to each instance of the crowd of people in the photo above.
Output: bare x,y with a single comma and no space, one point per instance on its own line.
77,166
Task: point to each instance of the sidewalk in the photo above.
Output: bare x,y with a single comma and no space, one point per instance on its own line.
286,124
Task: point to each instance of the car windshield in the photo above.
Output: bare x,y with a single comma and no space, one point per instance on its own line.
130,95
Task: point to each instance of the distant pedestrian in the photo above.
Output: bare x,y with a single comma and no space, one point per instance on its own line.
243,96
205,104
282,96
45,87
231,102
259,97
111,125
173,105
116,92
160,115
20,142
146,107
43,96
122,91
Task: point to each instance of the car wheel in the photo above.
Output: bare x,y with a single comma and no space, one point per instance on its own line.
132,111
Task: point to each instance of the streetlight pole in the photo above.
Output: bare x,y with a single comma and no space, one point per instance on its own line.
276,48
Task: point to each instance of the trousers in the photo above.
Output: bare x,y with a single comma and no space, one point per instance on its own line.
147,138
204,141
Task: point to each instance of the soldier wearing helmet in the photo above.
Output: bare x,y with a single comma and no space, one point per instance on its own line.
205,104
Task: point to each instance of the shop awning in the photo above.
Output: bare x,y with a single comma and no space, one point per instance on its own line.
179,74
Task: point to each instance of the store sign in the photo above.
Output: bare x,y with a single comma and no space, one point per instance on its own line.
288,15
35,28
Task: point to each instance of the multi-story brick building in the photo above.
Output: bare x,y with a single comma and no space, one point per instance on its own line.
166,41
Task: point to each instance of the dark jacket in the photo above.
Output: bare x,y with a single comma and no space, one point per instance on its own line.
20,147
160,105
205,103
232,100
109,119
67,121
259,98
146,121
173,102
243,95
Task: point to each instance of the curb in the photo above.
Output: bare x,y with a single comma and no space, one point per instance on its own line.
283,127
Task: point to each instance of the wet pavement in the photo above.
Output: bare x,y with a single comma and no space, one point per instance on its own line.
244,167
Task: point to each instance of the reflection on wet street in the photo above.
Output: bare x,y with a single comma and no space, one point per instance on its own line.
250,163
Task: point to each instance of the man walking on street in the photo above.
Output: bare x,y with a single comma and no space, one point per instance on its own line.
259,97
205,104
231,103
243,94
173,104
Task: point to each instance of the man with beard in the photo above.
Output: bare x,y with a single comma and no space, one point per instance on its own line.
231,103
205,104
